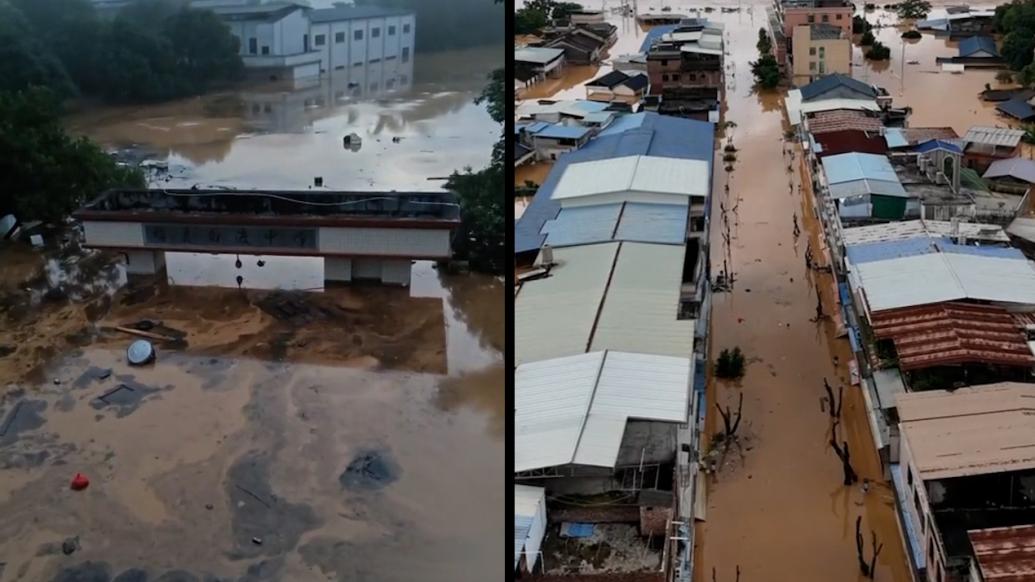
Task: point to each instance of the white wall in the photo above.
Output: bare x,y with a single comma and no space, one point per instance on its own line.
128,234
290,33
399,242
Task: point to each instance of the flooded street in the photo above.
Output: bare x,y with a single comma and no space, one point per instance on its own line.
348,433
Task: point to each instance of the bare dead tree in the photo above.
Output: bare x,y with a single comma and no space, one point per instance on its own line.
820,315
868,569
835,404
731,422
842,452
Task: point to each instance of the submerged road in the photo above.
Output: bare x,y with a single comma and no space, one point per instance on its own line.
777,507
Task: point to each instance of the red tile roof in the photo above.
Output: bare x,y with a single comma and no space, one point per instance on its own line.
953,333
1005,554
842,119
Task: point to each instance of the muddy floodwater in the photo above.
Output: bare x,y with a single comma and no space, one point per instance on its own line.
776,508
343,433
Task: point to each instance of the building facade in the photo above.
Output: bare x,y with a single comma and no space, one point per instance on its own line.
353,37
820,49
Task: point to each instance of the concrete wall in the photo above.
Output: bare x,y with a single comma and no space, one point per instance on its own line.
839,16
290,33
381,39
128,234
399,242
835,56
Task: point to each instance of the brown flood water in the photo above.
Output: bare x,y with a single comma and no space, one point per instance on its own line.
230,456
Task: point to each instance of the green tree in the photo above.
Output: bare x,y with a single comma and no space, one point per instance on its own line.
913,9
1018,45
766,71
860,25
561,10
529,21
764,44
204,50
44,172
452,24
24,61
878,52
867,39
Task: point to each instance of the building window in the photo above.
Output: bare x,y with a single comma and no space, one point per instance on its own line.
339,37
822,51
372,61
253,46
812,18
406,54
390,58
664,78
664,62
826,18
391,30
358,35
319,40
930,551
265,50
267,108
375,32
812,51
406,29
838,17
357,64
812,66
339,67
693,77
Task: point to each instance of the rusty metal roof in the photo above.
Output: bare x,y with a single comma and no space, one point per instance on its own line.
842,119
953,333
1005,554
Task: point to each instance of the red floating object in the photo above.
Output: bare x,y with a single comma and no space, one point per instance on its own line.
80,482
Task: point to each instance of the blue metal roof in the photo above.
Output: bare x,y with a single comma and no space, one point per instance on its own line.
883,251
1017,108
828,82
656,135
895,137
858,166
655,34
558,131
937,144
975,44
534,127
582,225
624,123
653,223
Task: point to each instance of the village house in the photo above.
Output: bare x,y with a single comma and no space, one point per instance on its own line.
975,51
964,479
960,22
690,56
618,86
984,145
820,49
550,140
534,64
1015,175
786,15
579,46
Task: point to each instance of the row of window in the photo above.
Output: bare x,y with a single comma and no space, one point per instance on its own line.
676,77
375,32
825,18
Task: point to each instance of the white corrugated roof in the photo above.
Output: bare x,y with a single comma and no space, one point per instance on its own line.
634,174
936,277
573,410
642,303
795,108
999,136
555,316
907,229
538,55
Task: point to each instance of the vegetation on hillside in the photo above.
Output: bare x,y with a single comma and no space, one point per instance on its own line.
1016,23
45,173
452,24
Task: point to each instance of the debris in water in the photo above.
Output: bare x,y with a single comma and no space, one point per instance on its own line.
70,545
36,240
370,470
257,541
396,139
79,482
209,506
140,352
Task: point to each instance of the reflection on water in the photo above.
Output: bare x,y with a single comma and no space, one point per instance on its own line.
274,136
256,272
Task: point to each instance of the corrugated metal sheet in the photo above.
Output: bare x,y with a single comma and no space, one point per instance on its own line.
933,278
1000,252
654,35
937,144
970,431
653,223
554,316
854,188
906,229
904,491
851,140
558,131
882,251
895,137
1019,168
574,409
828,121
656,135
582,225
529,523
998,136
1005,554
1017,108
536,55
978,46
635,175
796,108
642,302
857,166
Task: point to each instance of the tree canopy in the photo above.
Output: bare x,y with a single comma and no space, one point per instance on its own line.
913,9
764,44
452,24
44,172
150,50
766,69
1016,22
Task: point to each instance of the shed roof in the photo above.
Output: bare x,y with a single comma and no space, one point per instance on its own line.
529,508
998,136
851,140
1019,168
559,131
1018,108
978,46
953,333
609,80
1005,554
339,13
844,119
937,277
267,12
646,134
627,221
645,174
573,410
828,83
907,229
970,431
852,174
537,55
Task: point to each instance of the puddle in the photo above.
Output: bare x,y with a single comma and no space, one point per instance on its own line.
369,471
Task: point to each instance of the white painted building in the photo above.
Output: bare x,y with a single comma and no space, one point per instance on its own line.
354,36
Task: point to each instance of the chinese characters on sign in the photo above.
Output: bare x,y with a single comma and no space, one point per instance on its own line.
258,237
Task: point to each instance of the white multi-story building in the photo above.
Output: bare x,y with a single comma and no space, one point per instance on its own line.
292,41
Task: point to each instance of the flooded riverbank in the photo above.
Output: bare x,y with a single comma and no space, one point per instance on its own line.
279,435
